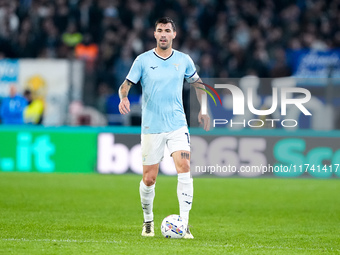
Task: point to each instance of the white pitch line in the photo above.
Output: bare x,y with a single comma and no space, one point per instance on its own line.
269,247
206,244
58,241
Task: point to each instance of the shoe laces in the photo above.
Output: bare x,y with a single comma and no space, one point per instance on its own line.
148,227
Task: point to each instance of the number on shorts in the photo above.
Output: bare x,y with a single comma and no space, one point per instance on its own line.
187,134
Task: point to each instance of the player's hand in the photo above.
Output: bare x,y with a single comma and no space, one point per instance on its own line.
124,106
206,121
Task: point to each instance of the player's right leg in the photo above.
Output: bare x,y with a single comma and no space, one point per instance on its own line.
147,195
152,154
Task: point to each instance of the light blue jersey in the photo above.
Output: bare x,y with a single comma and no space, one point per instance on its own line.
162,83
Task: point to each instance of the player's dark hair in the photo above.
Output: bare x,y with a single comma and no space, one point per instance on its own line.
166,20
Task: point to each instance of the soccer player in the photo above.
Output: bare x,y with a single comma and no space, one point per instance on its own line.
161,72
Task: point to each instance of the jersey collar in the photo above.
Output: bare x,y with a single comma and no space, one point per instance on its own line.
154,52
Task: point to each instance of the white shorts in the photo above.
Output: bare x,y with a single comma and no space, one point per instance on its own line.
153,144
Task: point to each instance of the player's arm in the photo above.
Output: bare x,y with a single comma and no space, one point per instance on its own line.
124,105
200,93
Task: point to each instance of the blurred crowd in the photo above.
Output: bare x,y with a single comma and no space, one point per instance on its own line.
227,38
17,109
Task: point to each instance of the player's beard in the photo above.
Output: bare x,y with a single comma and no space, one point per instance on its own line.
164,46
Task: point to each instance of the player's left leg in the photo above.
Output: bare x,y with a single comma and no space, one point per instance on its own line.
179,147
185,189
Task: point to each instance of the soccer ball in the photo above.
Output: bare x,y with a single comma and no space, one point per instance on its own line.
173,226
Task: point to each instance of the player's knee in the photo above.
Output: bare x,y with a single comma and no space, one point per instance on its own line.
183,166
149,180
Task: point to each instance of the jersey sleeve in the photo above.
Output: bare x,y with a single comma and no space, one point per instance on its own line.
135,72
191,75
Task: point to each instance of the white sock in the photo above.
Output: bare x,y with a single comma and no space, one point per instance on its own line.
147,195
185,192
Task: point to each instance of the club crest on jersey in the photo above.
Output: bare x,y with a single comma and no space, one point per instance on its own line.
176,66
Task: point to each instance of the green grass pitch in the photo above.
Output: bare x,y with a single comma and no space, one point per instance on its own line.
101,214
